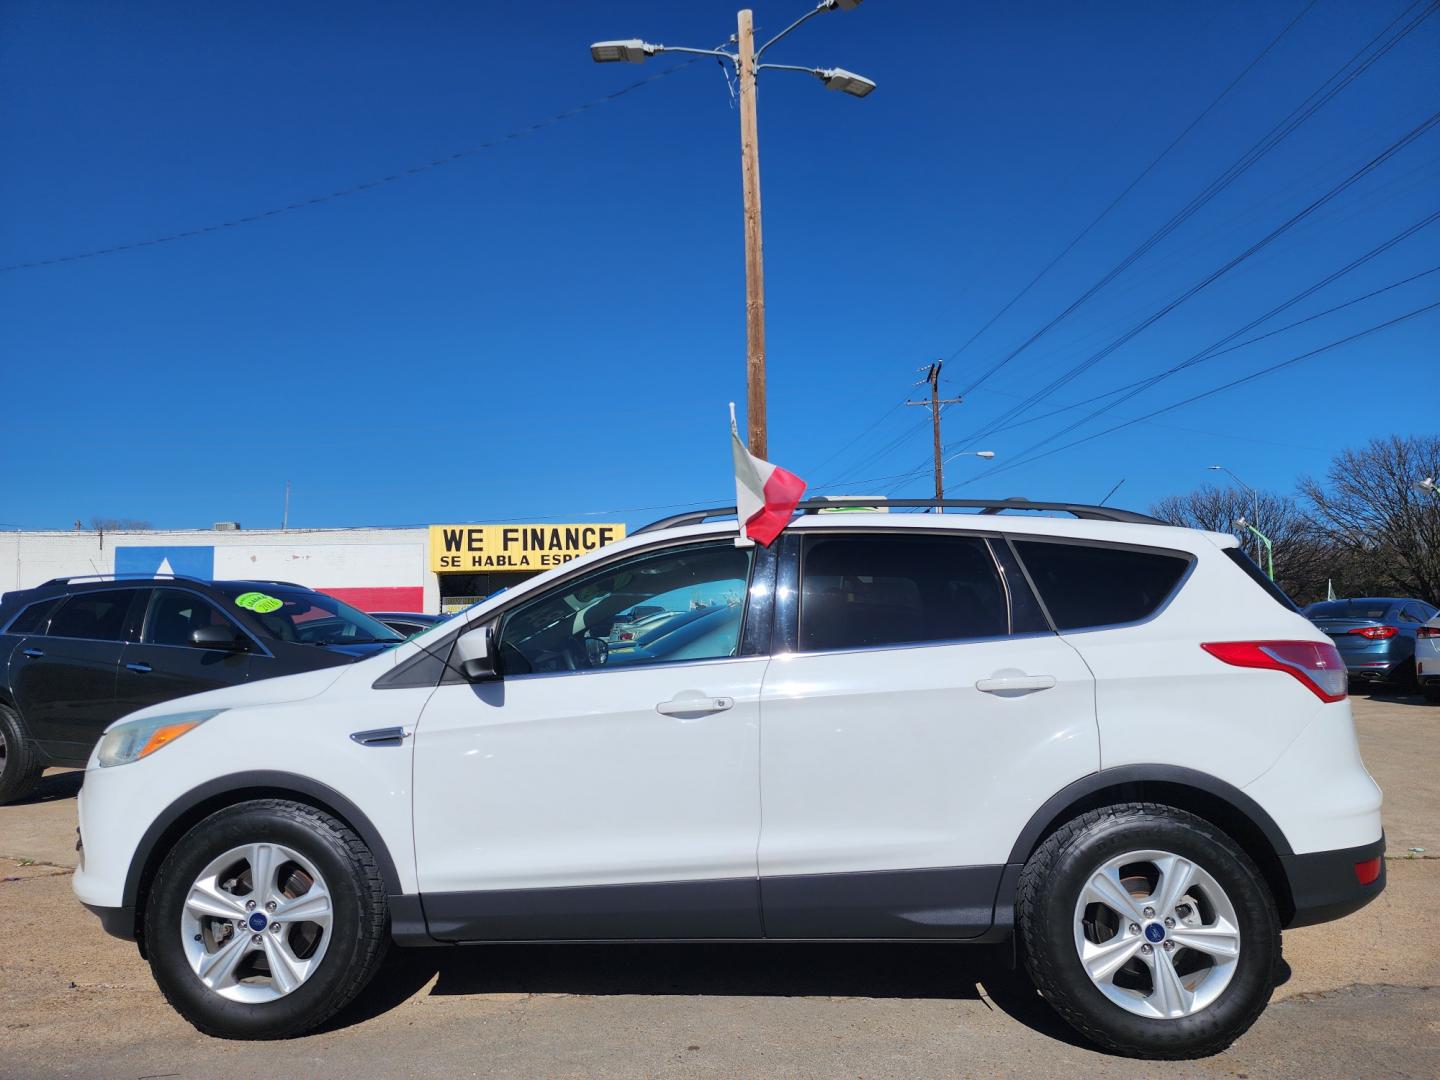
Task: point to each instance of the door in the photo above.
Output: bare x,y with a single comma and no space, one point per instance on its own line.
923,716
607,785
164,664
65,681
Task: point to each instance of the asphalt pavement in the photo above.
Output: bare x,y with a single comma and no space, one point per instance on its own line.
1362,995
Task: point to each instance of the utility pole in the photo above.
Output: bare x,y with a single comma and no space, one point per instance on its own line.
285,518
754,253
746,60
934,405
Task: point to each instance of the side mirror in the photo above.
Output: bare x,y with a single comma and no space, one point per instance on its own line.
475,654
223,638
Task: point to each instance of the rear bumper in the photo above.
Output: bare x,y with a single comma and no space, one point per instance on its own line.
1325,885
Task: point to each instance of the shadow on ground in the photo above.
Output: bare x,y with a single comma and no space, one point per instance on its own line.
53,787
967,972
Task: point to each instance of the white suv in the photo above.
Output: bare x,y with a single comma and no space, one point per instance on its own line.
1109,736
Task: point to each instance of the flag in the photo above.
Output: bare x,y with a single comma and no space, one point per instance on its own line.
765,494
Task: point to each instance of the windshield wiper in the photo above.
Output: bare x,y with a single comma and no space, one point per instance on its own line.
360,641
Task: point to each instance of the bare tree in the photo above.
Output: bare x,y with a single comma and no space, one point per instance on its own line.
1302,562
1373,512
104,524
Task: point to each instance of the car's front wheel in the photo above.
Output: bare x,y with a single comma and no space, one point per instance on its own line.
264,920
1149,931
20,765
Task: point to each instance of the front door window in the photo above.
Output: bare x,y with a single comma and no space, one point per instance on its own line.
653,609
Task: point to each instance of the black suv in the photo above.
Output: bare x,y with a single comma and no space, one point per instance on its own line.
77,654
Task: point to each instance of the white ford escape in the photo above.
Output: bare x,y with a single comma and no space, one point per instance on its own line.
1109,736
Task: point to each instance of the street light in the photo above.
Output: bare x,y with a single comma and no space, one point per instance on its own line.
1254,499
1240,522
746,62
1429,486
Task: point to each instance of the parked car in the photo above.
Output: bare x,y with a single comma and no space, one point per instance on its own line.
1111,735
1427,660
1375,636
78,653
406,623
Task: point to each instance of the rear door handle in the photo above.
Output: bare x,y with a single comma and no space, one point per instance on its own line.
33,653
1014,685
139,668
692,703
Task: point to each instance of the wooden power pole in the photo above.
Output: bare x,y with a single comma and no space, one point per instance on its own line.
754,256
934,405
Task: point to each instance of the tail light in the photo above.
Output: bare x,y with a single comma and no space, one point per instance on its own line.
1317,666
1366,872
1375,633
1428,631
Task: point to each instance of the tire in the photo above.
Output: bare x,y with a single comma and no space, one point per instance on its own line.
20,763
327,959
1116,1011
1432,694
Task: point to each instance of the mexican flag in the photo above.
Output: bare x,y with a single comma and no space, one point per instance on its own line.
765,494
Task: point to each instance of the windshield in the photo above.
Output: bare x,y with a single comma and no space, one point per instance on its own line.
309,618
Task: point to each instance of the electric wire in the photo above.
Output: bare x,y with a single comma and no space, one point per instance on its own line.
354,189
1276,135
1135,182
1075,371
1252,376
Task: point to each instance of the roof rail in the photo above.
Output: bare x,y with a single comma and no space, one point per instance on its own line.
984,506
117,577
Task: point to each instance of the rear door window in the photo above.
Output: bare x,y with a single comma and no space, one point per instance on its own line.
1090,585
97,616
859,592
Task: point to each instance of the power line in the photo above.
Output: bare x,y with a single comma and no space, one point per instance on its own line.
919,471
1134,183
1257,151
1078,369
1210,351
354,189
1228,385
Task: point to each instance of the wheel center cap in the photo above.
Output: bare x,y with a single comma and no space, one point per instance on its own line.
1155,933
258,922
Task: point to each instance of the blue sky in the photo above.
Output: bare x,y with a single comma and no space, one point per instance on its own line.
552,328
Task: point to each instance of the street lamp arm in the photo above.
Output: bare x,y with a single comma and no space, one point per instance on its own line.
721,53
825,5
817,72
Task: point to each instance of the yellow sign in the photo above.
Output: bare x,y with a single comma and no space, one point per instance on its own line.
478,549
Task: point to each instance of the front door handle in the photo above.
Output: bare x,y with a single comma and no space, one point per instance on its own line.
1008,685
140,668
33,653
692,703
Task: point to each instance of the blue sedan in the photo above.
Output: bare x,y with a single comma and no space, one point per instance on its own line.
1375,635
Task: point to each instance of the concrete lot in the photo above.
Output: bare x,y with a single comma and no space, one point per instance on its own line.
1363,996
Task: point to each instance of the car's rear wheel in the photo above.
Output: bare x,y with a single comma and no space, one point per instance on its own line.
1149,931
1432,694
20,765
264,920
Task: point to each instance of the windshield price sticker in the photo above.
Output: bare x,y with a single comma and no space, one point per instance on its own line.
259,603
471,549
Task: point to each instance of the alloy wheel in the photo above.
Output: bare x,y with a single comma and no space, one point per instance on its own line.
256,923
1156,934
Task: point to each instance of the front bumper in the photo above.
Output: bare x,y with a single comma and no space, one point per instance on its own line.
1327,885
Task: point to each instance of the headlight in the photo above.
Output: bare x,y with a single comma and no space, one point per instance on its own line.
135,739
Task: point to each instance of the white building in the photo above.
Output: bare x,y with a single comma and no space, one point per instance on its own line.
442,567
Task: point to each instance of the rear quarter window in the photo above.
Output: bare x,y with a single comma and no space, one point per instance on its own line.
32,619
1090,585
